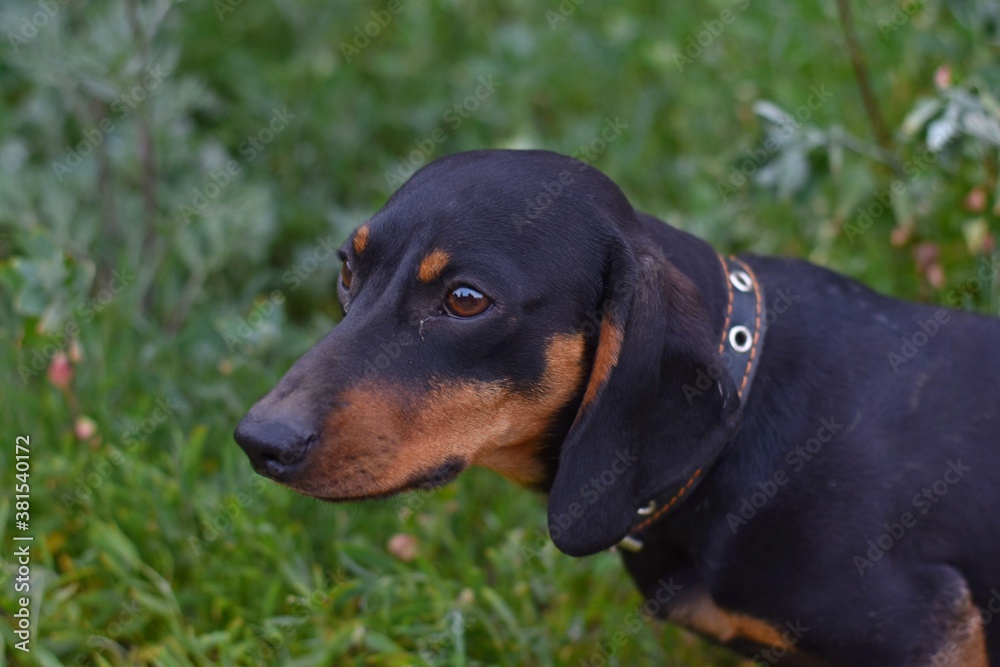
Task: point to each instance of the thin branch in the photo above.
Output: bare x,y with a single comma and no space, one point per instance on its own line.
147,156
105,178
194,284
879,128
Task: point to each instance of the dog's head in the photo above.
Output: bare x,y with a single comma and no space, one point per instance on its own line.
503,309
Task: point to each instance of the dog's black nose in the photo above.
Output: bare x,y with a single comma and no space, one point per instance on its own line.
275,446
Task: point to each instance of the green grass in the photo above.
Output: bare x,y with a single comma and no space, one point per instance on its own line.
160,260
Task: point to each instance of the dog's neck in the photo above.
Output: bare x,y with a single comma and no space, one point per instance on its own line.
698,261
703,267
732,299
738,320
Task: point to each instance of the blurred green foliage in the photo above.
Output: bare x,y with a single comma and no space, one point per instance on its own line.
172,173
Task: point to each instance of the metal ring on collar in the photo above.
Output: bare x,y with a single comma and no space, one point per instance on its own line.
740,338
648,509
741,281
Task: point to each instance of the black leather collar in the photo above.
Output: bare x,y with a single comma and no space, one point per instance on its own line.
739,354
743,332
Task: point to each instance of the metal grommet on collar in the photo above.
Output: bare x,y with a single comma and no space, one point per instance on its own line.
648,509
741,280
740,338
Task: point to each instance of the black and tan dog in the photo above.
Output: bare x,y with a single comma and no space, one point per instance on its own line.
815,467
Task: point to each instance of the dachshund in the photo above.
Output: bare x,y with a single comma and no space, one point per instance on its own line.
812,466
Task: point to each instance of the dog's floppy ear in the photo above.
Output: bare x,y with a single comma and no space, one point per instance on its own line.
640,432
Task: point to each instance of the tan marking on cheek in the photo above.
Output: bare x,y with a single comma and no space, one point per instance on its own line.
385,437
517,459
608,348
432,265
360,239
518,462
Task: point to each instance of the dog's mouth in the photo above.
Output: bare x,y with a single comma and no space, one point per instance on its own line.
440,476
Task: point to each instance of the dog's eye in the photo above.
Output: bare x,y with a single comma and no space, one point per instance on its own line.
346,274
467,302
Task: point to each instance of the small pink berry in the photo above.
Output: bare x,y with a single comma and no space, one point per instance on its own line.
975,201
935,275
899,236
60,371
942,77
85,428
403,547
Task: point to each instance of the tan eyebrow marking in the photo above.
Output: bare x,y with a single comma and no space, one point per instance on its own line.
432,265
360,239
